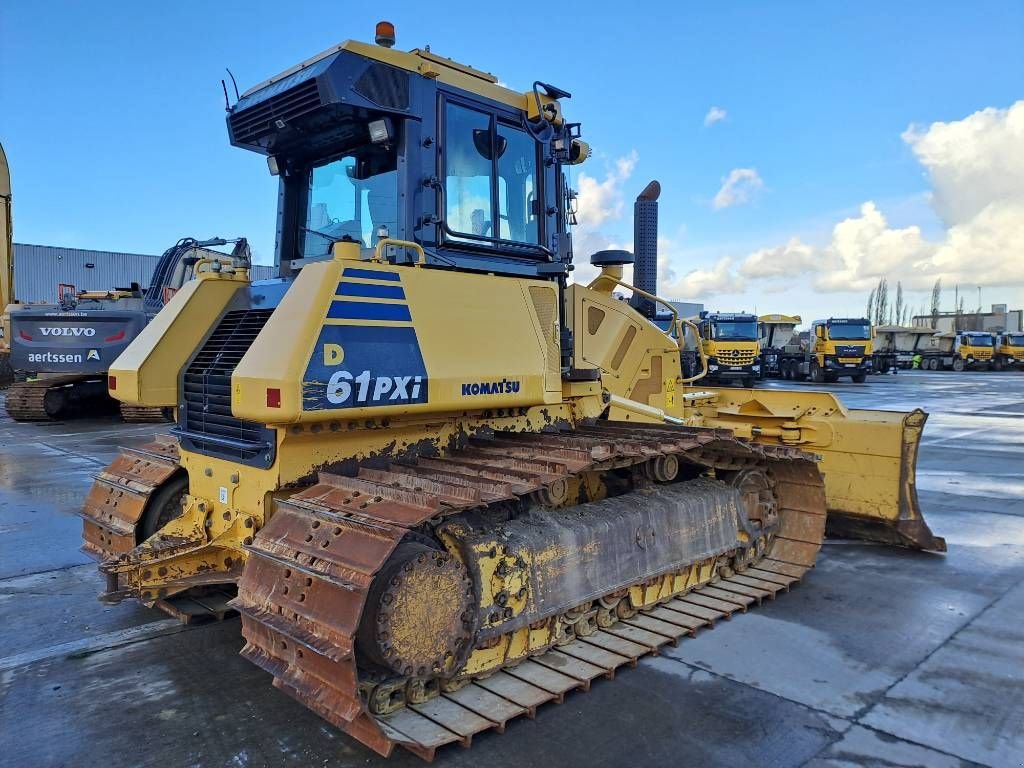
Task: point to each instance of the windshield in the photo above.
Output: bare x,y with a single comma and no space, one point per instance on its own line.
351,197
739,330
977,341
849,332
1015,339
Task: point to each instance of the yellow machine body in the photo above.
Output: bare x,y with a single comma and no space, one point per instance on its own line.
476,375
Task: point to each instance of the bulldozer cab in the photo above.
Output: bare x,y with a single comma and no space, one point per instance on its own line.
375,144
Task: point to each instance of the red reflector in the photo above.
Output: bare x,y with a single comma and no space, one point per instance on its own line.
116,337
25,336
111,382
273,397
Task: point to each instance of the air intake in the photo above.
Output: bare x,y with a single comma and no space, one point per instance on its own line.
249,125
384,85
645,248
205,422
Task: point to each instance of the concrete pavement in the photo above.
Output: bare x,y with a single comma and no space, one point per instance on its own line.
879,657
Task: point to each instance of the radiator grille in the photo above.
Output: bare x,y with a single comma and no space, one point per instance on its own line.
206,421
255,122
737,357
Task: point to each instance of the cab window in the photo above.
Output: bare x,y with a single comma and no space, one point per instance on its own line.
490,180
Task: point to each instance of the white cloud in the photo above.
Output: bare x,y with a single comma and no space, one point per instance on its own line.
976,170
972,162
702,283
738,187
783,261
714,115
599,203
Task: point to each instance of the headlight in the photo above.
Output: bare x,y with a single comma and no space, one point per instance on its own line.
712,367
757,369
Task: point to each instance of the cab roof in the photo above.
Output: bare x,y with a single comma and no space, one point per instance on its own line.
420,61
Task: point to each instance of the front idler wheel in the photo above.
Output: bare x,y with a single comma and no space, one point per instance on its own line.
163,506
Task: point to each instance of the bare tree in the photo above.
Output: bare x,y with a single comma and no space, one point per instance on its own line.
882,302
936,298
871,305
901,309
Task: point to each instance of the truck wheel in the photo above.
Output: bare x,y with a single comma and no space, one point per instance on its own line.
817,375
958,365
933,364
859,378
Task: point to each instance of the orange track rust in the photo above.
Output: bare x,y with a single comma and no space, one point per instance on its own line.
119,494
305,583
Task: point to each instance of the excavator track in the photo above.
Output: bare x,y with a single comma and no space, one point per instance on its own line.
58,397
311,569
142,414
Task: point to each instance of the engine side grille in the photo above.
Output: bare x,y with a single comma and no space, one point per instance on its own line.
206,424
251,124
384,85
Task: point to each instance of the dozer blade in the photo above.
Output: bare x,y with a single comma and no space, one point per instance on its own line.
874,496
869,458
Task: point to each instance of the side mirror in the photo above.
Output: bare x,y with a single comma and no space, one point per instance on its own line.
819,331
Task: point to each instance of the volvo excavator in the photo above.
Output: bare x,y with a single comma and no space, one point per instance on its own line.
442,483
67,347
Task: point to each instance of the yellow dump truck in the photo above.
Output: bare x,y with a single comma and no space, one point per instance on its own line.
441,483
964,350
730,343
1009,351
836,348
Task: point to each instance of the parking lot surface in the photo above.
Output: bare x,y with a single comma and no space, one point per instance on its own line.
880,656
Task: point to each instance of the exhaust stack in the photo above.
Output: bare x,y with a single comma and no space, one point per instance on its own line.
645,248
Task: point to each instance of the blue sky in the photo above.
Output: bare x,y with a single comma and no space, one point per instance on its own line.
114,121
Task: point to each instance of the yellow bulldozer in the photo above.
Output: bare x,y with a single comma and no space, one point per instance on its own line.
441,483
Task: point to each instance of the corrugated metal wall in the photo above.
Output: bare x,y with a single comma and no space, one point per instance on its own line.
38,269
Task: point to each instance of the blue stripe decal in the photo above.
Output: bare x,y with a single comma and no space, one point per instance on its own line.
370,291
361,310
371,274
